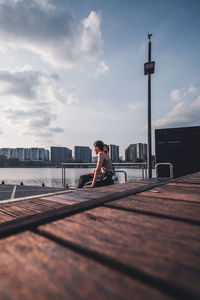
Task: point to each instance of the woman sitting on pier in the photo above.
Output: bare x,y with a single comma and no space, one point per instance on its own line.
103,173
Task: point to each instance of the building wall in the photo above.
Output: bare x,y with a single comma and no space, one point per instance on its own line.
134,151
60,154
82,153
26,154
114,153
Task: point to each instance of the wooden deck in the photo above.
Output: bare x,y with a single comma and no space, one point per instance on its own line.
130,241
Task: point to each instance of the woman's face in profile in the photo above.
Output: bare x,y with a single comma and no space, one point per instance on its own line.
96,149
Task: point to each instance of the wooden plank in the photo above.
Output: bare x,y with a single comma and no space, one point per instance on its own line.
14,210
169,192
182,211
33,267
74,198
46,203
166,250
183,184
27,222
6,217
182,189
31,205
59,200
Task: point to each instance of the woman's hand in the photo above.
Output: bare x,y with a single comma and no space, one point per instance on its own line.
88,186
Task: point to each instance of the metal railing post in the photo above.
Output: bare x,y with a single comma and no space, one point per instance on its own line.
165,164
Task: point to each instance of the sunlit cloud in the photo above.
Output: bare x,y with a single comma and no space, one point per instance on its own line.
100,70
185,113
50,31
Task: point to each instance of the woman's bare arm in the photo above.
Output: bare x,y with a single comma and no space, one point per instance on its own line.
98,169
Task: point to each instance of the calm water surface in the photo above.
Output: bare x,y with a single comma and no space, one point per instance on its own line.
52,176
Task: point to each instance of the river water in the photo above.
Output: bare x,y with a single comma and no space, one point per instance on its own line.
52,176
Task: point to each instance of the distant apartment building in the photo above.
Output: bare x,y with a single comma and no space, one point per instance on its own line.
5,152
26,154
20,154
130,153
83,154
134,151
141,150
13,153
114,153
60,154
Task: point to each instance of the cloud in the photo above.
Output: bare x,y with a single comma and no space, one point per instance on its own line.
31,100
100,70
176,95
192,89
185,113
31,85
50,31
136,106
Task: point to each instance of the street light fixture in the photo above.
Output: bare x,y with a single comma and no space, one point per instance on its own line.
149,68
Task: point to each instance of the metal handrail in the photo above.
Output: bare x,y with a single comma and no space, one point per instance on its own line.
125,174
165,164
143,165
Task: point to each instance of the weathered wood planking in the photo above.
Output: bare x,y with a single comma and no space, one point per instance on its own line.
20,209
163,249
60,200
45,203
56,211
6,217
171,192
33,267
180,210
14,211
194,178
189,186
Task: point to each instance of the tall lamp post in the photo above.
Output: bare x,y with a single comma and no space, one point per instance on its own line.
149,68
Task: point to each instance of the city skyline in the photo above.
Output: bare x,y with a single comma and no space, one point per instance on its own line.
72,72
114,153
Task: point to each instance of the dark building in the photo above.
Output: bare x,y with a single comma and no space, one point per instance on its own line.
114,153
180,147
83,154
60,154
130,153
133,151
141,150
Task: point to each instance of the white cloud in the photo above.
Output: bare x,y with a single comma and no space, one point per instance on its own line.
50,31
192,89
185,113
31,100
136,106
31,85
100,70
176,95
72,99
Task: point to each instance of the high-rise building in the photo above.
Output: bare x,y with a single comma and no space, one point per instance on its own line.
130,153
83,154
60,154
134,151
5,152
114,153
46,155
26,154
20,154
13,153
34,153
141,150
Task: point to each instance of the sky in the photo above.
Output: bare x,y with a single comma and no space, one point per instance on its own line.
72,71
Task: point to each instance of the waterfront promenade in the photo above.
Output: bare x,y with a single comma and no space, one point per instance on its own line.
136,240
